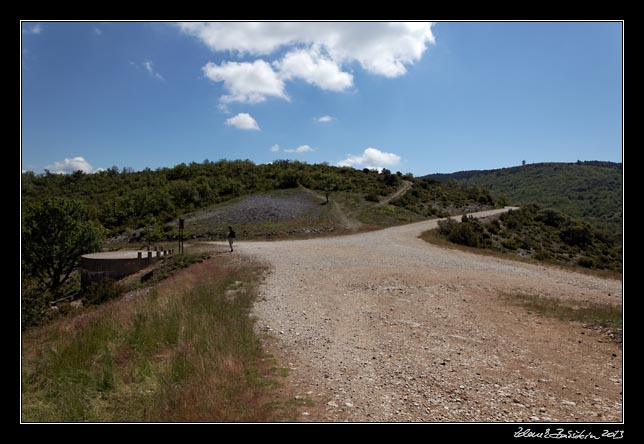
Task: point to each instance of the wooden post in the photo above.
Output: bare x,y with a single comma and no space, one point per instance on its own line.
181,224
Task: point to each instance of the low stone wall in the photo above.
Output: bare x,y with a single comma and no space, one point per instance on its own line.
98,266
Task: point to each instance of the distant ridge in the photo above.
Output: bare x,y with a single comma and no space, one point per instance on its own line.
588,190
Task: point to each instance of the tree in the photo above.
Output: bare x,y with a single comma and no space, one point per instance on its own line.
152,232
576,234
329,186
55,234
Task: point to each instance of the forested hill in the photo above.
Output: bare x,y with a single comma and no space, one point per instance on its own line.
591,191
125,199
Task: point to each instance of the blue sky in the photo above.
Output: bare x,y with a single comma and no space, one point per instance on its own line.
420,98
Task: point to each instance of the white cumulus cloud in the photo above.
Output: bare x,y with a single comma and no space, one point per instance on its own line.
246,82
316,52
243,121
68,166
380,47
371,158
324,119
244,37
312,67
275,148
299,149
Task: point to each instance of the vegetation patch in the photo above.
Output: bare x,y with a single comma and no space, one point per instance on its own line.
185,352
540,234
168,266
430,198
125,200
604,316
265,200
590,191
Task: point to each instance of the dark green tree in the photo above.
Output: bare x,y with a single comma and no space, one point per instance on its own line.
329,186
55,233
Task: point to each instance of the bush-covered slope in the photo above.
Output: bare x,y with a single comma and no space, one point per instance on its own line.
542,234
590,191
123,200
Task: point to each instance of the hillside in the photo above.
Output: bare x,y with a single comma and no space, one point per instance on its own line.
65,216
590,191
532,232
281,199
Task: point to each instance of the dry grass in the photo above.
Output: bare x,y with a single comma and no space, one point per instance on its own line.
593,314
185,351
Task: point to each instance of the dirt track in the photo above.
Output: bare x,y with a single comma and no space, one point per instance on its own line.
383,326
406,185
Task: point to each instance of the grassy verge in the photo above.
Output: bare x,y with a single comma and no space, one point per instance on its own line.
593,314
433,237
354,206
171,265
185,352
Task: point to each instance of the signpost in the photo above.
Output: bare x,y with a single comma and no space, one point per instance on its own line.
180,236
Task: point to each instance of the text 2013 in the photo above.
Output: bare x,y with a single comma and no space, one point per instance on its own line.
614,434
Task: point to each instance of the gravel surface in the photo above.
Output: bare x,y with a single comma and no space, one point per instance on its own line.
385,327
259,207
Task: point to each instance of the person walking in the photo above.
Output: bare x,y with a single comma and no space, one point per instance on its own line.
231,237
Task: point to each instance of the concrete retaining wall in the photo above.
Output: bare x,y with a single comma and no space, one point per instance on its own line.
115,265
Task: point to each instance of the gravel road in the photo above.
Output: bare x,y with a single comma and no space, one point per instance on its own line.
384,327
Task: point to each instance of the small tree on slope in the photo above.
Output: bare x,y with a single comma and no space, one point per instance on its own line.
55,233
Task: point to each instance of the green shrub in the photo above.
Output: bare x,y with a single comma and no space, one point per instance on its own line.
465,235
525,243
494,227
510,244
372,197
542,255
102,291
36,302
470,232
587,262
576,235
551,218
446,226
